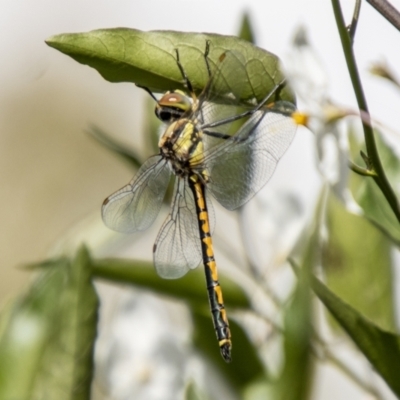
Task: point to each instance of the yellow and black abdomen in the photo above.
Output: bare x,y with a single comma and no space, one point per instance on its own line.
218,311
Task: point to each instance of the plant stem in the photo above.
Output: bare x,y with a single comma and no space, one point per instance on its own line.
361,171
354,21
372,151
386,10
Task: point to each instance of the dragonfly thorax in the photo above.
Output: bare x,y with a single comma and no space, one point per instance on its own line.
182,146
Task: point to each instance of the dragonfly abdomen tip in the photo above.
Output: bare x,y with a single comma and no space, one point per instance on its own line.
226,349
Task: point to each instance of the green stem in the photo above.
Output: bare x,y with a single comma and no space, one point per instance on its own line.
387,11
361,171
354,21
380,178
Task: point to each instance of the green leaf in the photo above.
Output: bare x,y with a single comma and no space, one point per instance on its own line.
357,262
294,382
149,59
246,30
192,392
46,264
25,331
119,149
382,348
47,340
370,197
151,127
259,390
378,211
190,288
67,365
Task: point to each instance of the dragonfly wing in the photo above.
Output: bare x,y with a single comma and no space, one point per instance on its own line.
229,81
178,248
134,207
243,164
220,98
211,212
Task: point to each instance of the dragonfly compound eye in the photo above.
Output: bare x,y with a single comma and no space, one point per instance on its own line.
164,114
172,106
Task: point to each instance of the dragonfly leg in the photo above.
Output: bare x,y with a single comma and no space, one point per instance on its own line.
248,112
188,84
206,52
217,135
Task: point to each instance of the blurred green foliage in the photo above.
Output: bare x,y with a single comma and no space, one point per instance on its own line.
47,335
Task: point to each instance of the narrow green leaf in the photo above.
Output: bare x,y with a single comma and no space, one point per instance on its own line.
382,348
46,264
294,382
119,149
149,59
361,278
377,210
262,391
192,392
190,288
67,364
25,330
259,390
47,337
151,127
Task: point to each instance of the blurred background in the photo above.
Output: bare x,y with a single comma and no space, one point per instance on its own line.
53,174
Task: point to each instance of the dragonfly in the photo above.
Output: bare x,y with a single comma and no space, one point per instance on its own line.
208,153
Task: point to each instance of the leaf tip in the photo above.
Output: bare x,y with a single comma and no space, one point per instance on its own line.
83,252
52,41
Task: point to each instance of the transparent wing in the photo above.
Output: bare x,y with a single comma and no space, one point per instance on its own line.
230,78
227,84
243,164
178,248
134,207
230,81
211,212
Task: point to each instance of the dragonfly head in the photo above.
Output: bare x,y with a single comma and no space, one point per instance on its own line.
172,106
